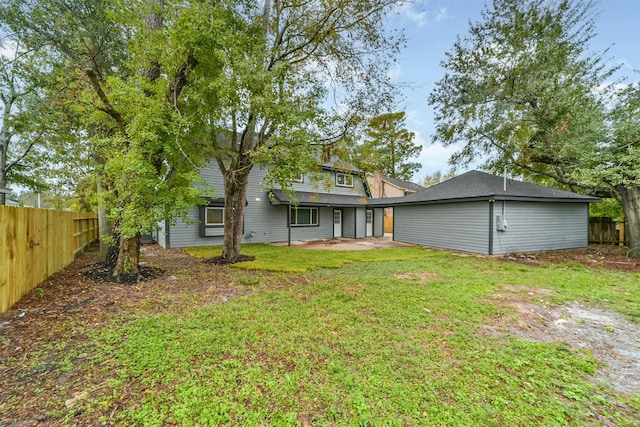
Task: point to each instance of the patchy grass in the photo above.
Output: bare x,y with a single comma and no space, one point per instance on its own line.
374,342
299,260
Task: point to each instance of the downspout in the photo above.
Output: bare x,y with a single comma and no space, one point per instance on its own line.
393,225
289,225
491,203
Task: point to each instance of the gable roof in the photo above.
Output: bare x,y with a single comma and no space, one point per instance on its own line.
336,163
404,185
476,185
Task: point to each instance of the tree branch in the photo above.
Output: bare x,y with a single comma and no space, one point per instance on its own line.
108,108
19,159
180,78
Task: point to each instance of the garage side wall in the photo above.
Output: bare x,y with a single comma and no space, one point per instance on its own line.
541,227
463,226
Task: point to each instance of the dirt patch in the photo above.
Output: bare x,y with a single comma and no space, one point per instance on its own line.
343,244
99,273
45,357
223,261
610,337
604,256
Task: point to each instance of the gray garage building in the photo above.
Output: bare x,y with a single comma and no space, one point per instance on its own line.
487,214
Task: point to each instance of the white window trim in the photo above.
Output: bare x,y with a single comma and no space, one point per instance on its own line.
213,224
299,178
294,215
346,177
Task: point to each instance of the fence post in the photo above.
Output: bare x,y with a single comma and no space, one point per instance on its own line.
621,235
81,235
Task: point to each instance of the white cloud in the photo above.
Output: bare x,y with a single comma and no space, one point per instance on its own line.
419,140
8,49
414,117
395,72
433,158
442,15
415,11
412,10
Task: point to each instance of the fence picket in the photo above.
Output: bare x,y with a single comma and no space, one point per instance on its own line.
35,243
604,230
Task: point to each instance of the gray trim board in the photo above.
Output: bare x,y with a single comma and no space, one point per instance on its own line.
491,206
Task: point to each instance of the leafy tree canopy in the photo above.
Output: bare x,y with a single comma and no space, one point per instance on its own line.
388,148
523,91
437,177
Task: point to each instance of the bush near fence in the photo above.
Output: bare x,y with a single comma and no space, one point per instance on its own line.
35,243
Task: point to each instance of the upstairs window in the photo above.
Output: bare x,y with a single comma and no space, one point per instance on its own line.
344,180
299,178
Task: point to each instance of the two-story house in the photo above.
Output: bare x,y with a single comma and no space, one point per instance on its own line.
474,212
330,203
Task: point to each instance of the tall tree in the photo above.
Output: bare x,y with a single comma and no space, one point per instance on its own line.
523,91
388,147
437,177
125,80
248,79
282,60
20,93
615,163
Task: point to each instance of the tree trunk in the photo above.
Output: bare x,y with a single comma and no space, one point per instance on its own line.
4,145
630,200
113,248
128,256
236,181
104,226
3,166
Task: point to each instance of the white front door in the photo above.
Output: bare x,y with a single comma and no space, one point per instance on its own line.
369,223
337,223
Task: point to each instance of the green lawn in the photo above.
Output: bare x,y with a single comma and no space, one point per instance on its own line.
299,260
369,342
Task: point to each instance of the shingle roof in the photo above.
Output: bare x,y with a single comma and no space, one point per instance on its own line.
482,185
336,163
473,185
406,185
319,199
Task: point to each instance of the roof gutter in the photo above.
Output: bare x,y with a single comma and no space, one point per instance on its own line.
494,197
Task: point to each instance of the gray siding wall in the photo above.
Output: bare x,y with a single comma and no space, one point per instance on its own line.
349,223
461,226
320,186
378,222
263,222
361,223
541,226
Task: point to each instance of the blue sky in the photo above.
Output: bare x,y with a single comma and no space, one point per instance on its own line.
431,27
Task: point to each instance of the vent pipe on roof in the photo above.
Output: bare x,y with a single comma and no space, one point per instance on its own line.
504,173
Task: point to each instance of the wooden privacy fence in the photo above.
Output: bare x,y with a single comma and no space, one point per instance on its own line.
604,230
35,243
